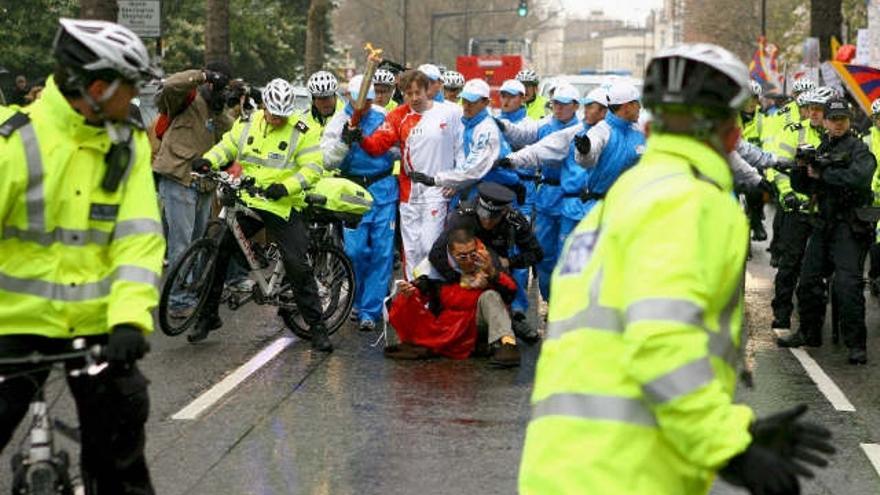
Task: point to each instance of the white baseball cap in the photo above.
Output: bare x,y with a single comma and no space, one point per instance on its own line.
622,92
565,93
475,90
597,95
430,70
513,87
354,86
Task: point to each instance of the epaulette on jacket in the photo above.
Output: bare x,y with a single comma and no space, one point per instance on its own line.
302,127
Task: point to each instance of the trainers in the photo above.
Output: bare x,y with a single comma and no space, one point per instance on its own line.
320,340
203,327
505,356
367,325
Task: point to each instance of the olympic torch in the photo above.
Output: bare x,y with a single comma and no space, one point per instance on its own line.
374,56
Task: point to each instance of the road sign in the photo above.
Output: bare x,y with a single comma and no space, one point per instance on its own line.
141,16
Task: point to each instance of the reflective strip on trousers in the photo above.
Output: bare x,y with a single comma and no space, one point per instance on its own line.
34,197
74,237
679,382
595,407
78,292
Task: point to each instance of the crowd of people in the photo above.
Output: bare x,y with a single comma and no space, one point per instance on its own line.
637,243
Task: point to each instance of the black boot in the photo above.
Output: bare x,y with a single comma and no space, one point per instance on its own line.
858,356
320,340
523,330
799,339
758,232
204,326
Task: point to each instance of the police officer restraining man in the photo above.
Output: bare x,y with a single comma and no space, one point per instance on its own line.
506,231
634,387
81,246
839,177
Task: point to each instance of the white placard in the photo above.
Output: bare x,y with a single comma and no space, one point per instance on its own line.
144,17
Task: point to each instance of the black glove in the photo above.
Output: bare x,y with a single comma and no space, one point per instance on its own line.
795,439
201,166
764,472
503,163
275,192
582,143
767,187
502,126
421,178
126,344
790,201
218,80
351,134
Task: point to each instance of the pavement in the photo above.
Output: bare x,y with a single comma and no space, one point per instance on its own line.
289,421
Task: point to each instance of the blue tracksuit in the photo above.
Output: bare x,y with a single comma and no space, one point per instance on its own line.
529,180
371,246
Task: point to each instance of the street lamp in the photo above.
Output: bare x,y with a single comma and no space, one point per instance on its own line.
523,9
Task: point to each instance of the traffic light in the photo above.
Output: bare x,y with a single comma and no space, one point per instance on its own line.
523,9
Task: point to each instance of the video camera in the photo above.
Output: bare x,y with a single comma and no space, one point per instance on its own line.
809,155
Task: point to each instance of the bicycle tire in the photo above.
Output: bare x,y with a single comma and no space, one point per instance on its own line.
208,250
334,275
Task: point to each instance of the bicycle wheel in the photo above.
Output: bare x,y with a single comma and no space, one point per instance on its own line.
188,284
334,276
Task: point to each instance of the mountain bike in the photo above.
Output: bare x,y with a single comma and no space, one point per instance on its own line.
39,467
191,276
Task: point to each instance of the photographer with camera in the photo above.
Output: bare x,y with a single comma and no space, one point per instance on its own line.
838,177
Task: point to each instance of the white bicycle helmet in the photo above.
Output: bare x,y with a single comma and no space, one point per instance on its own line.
527,76
322,83
803,84
875,107
384,76
817,96
89,46
453,80
278,98
699,74
756,88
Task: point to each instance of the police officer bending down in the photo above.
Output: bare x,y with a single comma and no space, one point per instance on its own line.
503,229
839,176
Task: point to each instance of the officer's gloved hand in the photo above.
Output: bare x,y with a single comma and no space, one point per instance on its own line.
582,143
351,135
790,201
502,126
762,471
275,192
201,166
422,178
503,163
126,344
799,440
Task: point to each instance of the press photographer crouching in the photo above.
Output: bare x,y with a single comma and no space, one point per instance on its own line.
838,178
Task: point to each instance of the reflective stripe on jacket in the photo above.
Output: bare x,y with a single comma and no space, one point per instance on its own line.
634,386
75,259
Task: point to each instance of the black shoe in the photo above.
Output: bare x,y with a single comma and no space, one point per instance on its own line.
505,356
774,261
523,330
780,323
320,340
203,327
758,232
798,340
858,356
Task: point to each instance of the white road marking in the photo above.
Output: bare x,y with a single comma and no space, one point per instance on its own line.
872,450
831,391
218,391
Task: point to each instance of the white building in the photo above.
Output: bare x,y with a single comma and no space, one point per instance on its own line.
628,52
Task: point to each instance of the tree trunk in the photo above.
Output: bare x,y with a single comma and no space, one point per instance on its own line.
317,26
105,10
826,16
217,31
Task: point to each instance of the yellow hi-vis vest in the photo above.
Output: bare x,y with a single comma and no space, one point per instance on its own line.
75,259
289,155
753,130
774,124
634,386
785,148
537,109
873,142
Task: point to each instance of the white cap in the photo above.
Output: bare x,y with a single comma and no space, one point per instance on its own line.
622,92
354,86
474,90
513,87
565,93
430,70
597,95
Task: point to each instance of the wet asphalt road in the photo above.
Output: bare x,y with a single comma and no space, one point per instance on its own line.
355,423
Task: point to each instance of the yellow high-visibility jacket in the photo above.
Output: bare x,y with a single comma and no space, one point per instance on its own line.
75,259
537,109
634,386
289,155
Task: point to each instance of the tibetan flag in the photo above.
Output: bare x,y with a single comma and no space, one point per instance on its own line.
862,82
762,67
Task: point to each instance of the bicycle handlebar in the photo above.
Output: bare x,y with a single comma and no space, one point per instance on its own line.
91,354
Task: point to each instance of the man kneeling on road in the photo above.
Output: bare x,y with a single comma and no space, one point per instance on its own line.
434,316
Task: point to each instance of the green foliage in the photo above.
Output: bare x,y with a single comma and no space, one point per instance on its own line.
27,29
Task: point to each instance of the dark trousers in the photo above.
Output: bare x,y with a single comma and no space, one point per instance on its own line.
874,267
112,408
791,238
755,207
839,249
292,238
777,227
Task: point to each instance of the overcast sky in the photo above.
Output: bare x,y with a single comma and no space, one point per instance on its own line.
630,10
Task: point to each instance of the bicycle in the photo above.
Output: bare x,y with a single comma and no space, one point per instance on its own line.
190,277
40,468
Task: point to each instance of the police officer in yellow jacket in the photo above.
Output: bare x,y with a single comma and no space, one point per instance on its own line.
81,246
634,385
285,159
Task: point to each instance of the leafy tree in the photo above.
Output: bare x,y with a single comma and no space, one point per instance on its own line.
27,30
